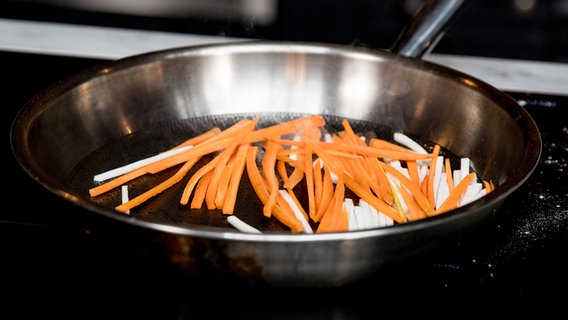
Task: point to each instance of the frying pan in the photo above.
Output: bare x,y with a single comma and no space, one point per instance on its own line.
121,111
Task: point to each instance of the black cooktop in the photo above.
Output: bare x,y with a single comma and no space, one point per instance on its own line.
515,269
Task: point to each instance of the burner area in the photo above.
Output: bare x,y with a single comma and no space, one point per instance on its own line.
515,268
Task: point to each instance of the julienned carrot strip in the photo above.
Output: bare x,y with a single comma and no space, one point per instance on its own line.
284,128
157,189
384,144
417,194
309,173
413,172
195,179
415,211
330,222
365,194
215,143
224,157
457,193
221,192
326,194
199,138
235,181
268,171
201,190
318,183
117,182
288,218
368,151
449,174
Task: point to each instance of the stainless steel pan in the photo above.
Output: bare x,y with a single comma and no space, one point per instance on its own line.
123,110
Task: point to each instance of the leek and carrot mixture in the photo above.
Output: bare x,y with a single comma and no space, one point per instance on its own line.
393,182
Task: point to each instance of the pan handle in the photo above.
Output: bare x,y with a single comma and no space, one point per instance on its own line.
426,28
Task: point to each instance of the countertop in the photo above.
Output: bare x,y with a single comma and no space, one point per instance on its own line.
110,43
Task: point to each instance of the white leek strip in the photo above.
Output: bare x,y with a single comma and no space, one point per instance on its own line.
353,222
297,212
457,176
383,220
472,191
124,196
138,164
438,174
241,225
423,171
443,191
408,142
464,167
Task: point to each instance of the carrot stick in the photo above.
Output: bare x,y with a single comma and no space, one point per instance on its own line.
236,174
117,182
449,174
199,138
288,218
268,166
195,179
224,179
318,183
221,165
201,190
454,197
309,173
284,128
417,194
329,221
157,189
379,153
326,194
413,172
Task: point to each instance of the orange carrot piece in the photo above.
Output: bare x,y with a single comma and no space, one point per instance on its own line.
415,211
309,173
125,207
379,153
318,183
386,145
221,165
449,174
201,190
326,194
235,181
287,217
117,182
457,193
284,128
268,171
413,172
224,179
333,219
413,189
199,138
195,179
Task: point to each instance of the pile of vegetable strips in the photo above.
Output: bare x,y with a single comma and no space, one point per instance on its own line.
395,182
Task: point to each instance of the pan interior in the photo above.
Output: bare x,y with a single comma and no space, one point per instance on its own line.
165,207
